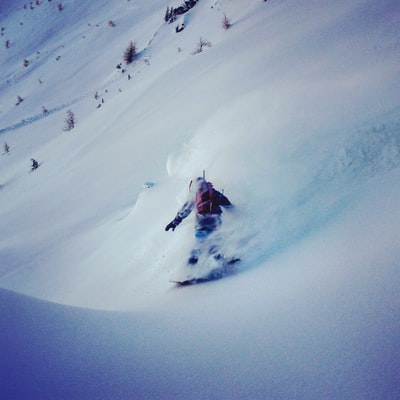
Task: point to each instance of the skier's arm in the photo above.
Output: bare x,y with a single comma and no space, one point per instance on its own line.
182,214
224,201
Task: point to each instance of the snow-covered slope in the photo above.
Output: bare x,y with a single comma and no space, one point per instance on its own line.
293,111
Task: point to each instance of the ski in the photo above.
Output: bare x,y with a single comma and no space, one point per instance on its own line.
192,281
217,273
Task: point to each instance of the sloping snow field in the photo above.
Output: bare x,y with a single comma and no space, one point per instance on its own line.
294,111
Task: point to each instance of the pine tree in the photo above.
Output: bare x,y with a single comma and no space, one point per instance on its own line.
35,164
6,148
166,17
70,121
130,53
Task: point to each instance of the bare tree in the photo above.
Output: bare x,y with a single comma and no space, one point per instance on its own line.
201,44
226,23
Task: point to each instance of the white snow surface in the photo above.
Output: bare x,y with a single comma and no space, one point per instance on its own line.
294,112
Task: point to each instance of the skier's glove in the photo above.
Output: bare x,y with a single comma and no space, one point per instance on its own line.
172,225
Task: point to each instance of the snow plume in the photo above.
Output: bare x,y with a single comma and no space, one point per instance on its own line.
313,183
284,190
285,193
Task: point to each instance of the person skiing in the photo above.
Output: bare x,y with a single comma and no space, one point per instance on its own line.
208,202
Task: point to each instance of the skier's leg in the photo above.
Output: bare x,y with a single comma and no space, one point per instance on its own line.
194,256
201,240
214,251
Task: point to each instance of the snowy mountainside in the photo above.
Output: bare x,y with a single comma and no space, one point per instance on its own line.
293,111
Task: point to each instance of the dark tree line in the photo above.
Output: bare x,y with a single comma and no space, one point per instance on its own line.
172,13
